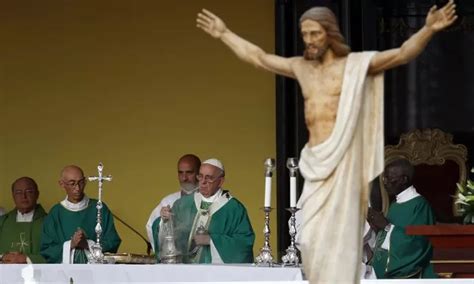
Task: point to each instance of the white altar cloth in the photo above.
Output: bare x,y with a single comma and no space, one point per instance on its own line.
145,274
170,274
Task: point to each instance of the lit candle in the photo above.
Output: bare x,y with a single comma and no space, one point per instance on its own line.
292,191
268,191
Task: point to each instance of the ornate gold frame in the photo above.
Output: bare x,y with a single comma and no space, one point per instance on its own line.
427,146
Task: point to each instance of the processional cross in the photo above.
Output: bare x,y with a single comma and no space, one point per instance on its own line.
96,249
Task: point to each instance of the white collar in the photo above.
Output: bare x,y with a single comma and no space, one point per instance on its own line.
81,205
407,194
212,198
27,217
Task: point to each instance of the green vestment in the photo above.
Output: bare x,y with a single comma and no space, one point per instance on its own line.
406,254
22,237
61,224
229,229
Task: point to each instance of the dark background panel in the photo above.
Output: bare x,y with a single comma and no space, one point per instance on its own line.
433,91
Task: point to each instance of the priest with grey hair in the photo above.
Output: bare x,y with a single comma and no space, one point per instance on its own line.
210,226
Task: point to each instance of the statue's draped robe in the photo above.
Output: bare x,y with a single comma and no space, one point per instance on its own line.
22,237
337,173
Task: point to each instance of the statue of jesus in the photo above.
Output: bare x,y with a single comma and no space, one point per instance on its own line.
343,98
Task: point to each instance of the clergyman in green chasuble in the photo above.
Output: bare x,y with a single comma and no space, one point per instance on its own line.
210,226
20,229
69,229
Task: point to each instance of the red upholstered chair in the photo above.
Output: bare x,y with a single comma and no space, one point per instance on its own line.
439,165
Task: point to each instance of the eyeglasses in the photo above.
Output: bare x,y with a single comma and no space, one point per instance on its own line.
207,178
74,183
29,192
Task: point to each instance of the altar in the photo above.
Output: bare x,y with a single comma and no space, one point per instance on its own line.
169,274
160,273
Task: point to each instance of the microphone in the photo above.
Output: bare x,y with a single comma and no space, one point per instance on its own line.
148,244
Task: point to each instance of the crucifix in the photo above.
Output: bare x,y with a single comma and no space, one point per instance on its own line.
96,249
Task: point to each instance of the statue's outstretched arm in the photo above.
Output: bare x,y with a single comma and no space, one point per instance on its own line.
436,20
244,49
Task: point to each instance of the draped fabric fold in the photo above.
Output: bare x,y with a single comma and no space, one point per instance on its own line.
337,173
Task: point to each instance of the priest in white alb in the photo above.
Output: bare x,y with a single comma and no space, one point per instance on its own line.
188,169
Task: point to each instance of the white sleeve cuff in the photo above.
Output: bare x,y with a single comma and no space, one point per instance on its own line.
67,252
216,258
386,242
154,215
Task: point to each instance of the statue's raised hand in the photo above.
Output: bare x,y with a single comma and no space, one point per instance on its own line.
439,19
210,23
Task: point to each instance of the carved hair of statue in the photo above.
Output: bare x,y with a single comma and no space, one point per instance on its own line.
326,18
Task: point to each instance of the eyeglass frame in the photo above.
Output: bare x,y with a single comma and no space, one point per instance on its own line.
28,192
208,178
392,179
80,183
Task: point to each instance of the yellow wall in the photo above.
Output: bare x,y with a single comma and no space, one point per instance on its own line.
133,84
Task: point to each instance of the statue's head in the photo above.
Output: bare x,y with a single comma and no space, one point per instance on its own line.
320,31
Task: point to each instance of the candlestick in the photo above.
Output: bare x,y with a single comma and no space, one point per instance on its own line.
292,254
292,165
265,257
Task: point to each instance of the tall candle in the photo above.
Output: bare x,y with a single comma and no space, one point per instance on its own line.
268,191
292,191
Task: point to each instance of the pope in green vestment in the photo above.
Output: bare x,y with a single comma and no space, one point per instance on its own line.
22,237
229,228
208,226
407,254
61,224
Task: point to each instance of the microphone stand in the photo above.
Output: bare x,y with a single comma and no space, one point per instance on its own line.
148,244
